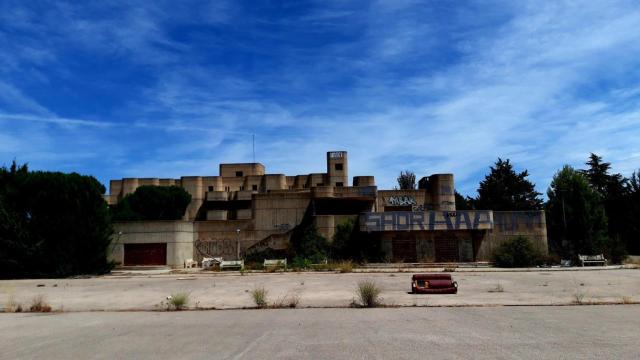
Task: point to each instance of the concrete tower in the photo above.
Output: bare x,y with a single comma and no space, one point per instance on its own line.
337,168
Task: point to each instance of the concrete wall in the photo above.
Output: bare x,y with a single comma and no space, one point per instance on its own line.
511,224
229,170
178,235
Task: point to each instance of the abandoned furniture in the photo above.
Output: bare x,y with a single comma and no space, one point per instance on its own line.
232,264
433,284
592,259
190,263
211,263
275,263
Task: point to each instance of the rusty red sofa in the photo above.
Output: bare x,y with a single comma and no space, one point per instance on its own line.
433,284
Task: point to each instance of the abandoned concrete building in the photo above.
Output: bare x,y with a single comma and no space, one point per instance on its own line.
245,209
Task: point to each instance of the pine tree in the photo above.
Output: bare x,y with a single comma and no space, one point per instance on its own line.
505,190
576,219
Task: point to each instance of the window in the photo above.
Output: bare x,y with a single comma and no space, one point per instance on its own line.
226,188
339,184
239,174
241,188
319,184
339,167
210,188
254,187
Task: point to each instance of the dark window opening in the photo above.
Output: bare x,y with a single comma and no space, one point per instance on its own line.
210,188
241,188
239,174
319,184
339,167
339,184
254,187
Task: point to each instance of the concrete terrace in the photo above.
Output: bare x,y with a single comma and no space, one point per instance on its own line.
231,290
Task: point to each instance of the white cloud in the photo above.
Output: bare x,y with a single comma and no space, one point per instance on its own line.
395,84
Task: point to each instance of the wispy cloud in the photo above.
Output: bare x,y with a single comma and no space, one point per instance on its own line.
165,89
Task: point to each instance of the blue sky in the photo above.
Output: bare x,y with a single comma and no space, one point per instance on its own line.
165,88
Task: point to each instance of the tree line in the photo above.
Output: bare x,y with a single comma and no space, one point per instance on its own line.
588,211
56,225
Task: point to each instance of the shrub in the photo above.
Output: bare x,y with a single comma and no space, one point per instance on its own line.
517,252
300,263
258,257
259,296
368,293
178,301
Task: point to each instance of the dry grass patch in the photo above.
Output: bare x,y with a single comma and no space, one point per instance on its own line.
287,301
259,296
12,305
39,304
345,267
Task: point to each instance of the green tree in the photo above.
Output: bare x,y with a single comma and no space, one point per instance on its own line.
343,241
505,190
614,194
462,202
633,194
407,180
153,203
576,220
52,224
309,244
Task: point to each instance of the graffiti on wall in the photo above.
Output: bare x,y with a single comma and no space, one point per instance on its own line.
401,201
214,248
427,220
512,221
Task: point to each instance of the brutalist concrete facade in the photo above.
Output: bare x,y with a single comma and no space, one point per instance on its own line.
245,209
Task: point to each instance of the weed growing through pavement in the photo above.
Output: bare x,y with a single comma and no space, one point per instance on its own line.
368,294
178,301
39,304
259,295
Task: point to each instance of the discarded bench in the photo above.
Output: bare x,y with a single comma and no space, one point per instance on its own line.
592,259
232,264
275,263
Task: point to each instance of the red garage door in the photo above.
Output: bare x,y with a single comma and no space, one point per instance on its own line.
145,254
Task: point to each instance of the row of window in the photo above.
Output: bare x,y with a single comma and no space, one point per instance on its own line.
255,187
338,167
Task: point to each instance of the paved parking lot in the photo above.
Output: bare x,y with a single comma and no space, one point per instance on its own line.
567,332
318,289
